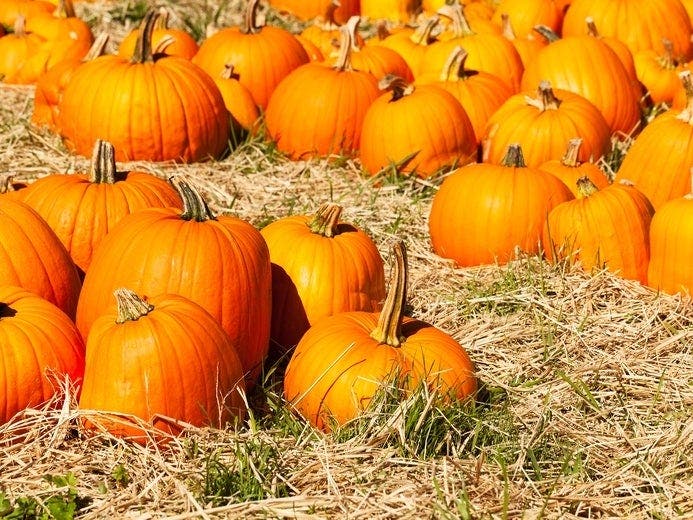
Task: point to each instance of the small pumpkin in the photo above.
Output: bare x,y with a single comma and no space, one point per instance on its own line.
342,360
161,359
244,115
340,10
570,168
528,13
320,266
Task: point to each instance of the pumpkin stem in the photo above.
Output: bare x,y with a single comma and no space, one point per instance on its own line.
194,205
19,28
164,16
250,18
143,47
6,311
347,39
507,28
667,60
460,24
103,165
64,9
591,27
330,13
97,48
686,114
8,184
454,68
513,157
546,99
326,220
389,328
547,32
229,72
586,187
397,85
570,158
422,34
131,307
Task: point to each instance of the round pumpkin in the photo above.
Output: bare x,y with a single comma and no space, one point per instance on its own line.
528,13
161,359
570,168
343,360
320,266
308,9
220,262
39,346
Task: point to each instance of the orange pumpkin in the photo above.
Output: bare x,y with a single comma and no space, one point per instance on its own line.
10,10
398,11
220,262
261,55
342,360
412,44
82,208
320,266
309,9
528,13
570,168
244,114
527,47
543,126
602,228
659,73
39,346
483,213
155,108
326,35
15,49
161,357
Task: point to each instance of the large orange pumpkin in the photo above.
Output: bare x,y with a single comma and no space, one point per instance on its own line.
220,262
39,346
342,360
320,266
484,212
161,359
150,107
83,208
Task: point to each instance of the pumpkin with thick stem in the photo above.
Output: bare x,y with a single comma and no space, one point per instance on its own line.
220,262
671,246
602,228
15,49
527,47
160,357
659,73
82,208
10,10
329,120
340,10
660,158
392,138
343,360
320,266
39,347
261,55
182,43
483,213
151,107
570,168
326,34
544,124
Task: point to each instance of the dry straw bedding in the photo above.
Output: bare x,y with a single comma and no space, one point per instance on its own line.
593,377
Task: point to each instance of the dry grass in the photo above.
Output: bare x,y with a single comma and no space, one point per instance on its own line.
585,412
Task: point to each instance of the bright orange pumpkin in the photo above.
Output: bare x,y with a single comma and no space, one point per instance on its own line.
570,168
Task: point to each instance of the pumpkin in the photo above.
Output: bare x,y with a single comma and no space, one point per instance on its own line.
39,346
602,228
640,24
671,246
544,124
34,258
326,35
398,11
320,266
570,168
587,66
620,49
83,208
15,49
161,359
309,9
10,10
527,47
244,114
261,55
479,92
661,156
528,13
659,73
483,213
51,84
181,42
313,51
151,107
329,120
342,361
411,44
392,138
61,24
220,262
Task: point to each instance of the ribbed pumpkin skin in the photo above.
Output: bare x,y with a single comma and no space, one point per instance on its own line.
641,24
587,66
157,111
261,59
569,169
380,61
429,121
329,119
607,228
223,265
661,157
183,45
316,276
81,212
15,50
36,338
482,212
308,9
175,361
34,258
526,14
395,10
544,133
337,366
671,247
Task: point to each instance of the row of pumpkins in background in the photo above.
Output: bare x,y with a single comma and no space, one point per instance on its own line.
254,285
